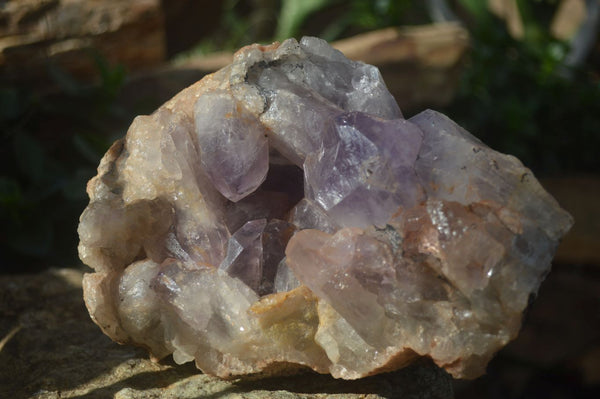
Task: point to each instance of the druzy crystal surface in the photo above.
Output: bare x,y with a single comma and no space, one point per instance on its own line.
282,212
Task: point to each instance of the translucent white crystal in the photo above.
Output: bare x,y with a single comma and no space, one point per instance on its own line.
309,215
233,147
284,278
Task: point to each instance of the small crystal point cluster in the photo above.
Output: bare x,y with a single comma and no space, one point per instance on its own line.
282,212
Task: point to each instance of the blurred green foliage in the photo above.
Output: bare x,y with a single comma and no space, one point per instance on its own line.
250,21
52,145
351,16
519,97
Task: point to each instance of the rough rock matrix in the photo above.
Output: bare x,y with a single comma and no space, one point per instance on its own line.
282,212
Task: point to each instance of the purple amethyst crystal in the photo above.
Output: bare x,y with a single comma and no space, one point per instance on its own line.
367,173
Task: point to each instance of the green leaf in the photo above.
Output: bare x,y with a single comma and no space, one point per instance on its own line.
293,13
112,76
478,9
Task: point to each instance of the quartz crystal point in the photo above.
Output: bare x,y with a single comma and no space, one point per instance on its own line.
282,212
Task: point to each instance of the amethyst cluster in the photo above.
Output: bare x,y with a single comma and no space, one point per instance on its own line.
281,212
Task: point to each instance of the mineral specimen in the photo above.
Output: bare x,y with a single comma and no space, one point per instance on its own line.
282,212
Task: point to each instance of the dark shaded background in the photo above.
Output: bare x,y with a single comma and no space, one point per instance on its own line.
519,93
